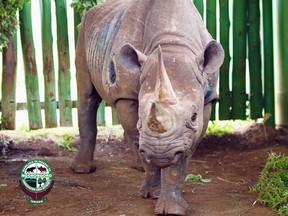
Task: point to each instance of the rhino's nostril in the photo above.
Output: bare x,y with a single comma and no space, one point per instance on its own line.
178,155
144,155
142,151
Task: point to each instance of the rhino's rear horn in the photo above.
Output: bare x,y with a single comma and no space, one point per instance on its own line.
164,92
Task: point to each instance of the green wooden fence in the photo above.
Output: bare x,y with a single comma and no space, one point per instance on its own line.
30,67
8,104
224,90
282,95
50,104
246,90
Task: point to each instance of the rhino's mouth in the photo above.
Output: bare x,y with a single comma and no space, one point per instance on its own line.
160,158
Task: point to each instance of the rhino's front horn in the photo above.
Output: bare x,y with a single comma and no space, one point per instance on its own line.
164,92
159,120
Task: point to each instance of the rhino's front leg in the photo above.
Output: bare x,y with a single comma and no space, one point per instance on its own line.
127,111
170,201
152,185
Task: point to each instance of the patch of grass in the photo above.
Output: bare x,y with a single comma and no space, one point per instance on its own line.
110,132
272,186
68,139
24,128
60,136
220,128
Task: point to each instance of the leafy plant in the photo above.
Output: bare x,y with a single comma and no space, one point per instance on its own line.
82,6
196,178
68,139
273,184
8,19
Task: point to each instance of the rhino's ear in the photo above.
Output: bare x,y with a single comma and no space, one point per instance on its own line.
131,59
212,58
209,64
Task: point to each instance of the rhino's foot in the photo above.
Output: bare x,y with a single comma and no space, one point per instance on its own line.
168,205
82,168
150,192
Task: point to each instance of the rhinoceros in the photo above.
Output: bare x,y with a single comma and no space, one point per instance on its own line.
156,63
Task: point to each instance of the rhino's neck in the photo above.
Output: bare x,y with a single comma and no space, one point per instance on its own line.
174,23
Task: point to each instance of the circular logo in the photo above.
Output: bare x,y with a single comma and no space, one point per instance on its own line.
36,176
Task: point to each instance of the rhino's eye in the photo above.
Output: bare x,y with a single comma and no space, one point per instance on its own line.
193,123
194,117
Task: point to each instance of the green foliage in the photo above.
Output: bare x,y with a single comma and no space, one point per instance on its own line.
24,128
8,19
273,184
68,139
220,128
196,178
64,137
82,6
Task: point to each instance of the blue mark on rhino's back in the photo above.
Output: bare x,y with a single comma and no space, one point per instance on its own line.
104,44
109,33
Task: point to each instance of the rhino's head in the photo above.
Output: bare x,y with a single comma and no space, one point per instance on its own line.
177,89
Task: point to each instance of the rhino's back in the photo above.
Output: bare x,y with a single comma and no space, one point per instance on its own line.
107,27
101,23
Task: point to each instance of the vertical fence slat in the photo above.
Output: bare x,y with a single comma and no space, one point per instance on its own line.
31,77
283,63
268,64
239,96
77,21
212,28
64,77
101,118
115,119
9,75
200,6
50,103
254,48
225,96
211,17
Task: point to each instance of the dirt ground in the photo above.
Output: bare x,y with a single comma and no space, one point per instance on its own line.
233,162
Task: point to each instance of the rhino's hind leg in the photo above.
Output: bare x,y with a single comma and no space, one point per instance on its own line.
170,201
127,111
89,101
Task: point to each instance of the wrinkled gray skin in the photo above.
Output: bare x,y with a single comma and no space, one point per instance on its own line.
155,62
